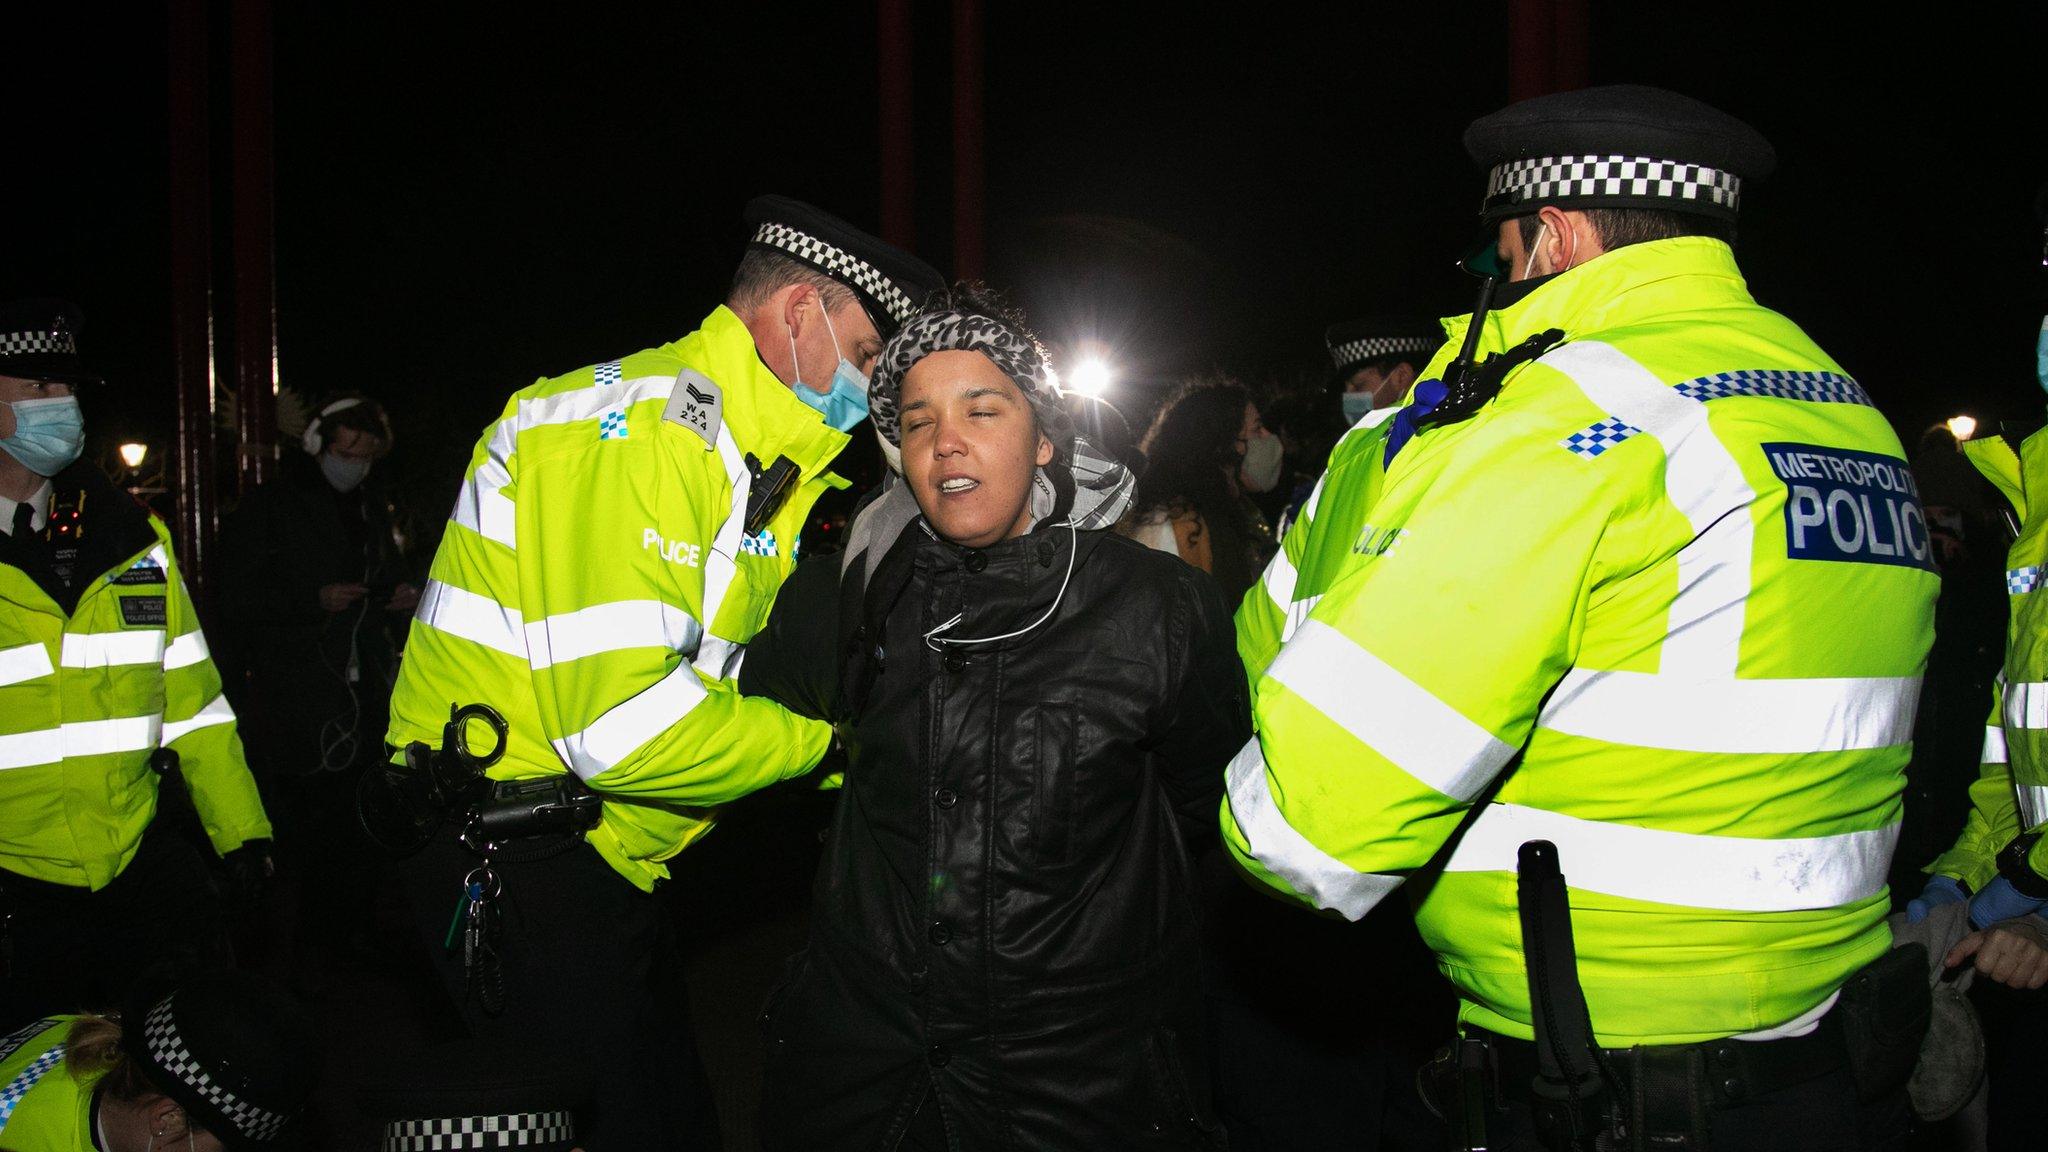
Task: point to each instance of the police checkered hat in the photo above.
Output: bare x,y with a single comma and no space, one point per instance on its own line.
1619,146
1356,343
890,283
39,341
232,1048
477,1095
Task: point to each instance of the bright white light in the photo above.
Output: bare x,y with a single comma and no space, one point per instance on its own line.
134,454
1962,427
1090,378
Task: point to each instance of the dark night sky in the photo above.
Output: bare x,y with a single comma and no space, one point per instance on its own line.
466,203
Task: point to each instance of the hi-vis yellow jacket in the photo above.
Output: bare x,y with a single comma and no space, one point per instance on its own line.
87,696
1665,602
597,588
2011,793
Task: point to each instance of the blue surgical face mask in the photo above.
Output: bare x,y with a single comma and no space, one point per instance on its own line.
48,434
2041,355
1356,405
846,405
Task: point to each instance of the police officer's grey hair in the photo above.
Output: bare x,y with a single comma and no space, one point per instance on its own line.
762,273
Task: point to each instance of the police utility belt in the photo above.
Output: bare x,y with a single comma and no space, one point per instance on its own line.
1579,1096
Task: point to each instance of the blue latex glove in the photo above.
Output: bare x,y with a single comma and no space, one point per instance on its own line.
2000,901
1938,891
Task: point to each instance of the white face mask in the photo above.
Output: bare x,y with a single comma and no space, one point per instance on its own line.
1530,264
345,473
1261,467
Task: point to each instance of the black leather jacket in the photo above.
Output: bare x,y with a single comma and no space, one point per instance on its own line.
1006,912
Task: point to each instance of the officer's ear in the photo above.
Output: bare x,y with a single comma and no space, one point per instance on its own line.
165,1119
1399,379
801,304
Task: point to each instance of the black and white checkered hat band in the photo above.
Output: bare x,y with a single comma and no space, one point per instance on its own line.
1374,347
516,1130
840,263
167,1048
1551,178
32,343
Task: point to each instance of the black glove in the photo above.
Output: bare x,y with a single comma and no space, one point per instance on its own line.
249,872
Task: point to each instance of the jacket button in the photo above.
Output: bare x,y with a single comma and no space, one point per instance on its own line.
976,561
1045,553
941,934
945,797
954,662
1733,1088
936,1056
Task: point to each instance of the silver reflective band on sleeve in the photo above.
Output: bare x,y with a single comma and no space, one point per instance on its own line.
1786,717
108,649
620,732
1325,880
24,662
482,506
484,510
2026,704
477,619
1729,873
2033,805
216,711
1280,579
1389,713
610,627
186,650
1994,745
719,658
716,656
80,738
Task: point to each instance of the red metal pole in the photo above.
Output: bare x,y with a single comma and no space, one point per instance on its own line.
967,140
1573,46
1548,46
254,243
191,288
893,63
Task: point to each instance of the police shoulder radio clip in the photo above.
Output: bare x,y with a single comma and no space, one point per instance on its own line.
771,487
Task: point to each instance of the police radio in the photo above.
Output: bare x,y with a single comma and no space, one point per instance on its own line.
771,487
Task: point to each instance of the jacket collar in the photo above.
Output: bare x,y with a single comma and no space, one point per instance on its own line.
1615,289
760,411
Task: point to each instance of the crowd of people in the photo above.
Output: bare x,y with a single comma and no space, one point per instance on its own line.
1594,623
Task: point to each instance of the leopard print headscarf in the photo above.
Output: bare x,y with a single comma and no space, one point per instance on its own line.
1018,355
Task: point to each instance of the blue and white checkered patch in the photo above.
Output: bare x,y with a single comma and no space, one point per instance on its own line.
608,373
761,543
1819,387
1591,442
2022,580
11,1094
611,426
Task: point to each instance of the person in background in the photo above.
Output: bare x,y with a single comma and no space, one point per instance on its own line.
1376,359
1999,863
106,686
212,1062
1003,936
316,592
1205,450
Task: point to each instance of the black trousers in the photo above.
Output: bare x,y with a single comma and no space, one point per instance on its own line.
592,980
71,950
